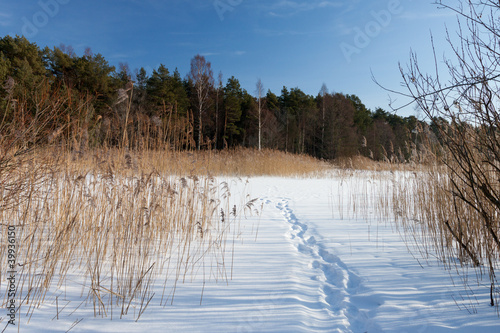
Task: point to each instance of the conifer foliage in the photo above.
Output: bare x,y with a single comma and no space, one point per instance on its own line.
107,106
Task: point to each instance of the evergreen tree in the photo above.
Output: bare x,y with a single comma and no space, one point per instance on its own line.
326,126
141,78
158,86
233,96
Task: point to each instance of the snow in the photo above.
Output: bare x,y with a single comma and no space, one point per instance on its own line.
319,258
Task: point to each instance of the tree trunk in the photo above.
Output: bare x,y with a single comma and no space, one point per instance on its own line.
260,124
216,117
199,127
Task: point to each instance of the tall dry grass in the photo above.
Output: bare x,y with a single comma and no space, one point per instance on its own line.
239,162
120,208
438,222
122,231
367,164
126,221
439,206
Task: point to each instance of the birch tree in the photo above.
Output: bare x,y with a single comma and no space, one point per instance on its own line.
201,77
260,92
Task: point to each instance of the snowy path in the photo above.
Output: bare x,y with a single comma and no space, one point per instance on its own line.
338,285
307,264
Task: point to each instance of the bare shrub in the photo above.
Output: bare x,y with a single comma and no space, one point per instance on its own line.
460,205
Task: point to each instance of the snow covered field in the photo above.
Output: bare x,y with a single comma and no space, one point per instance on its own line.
318,259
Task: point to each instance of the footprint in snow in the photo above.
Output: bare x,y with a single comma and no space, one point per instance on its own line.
338,284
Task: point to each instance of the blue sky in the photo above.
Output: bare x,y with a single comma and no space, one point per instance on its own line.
293,43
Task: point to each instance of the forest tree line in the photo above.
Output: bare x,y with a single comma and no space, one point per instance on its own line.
100,105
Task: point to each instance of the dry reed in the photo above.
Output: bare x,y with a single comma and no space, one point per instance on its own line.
239,162
429,214
120,225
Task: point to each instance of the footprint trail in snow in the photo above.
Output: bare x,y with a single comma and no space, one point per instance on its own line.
339,287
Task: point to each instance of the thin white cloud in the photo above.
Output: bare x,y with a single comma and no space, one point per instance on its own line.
216,54
127,55
287,8
5,19
119,56
342,29
279,33
350,6
210,54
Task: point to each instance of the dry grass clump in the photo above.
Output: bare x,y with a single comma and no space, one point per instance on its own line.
361,194
238,162
438,220
359,162
120,228
432,217
445,208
